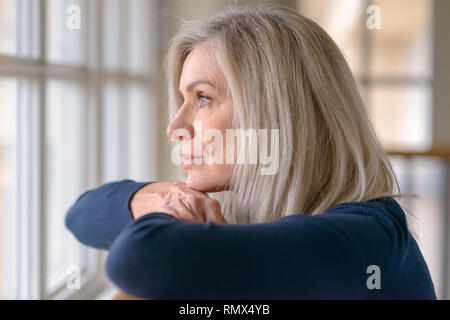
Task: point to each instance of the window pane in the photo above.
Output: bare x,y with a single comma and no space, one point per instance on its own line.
143,35
8,186
342,20
65,172
130,133
114,131
8,27
402,46
143,130
112,29
66,42
426,178
19,26
402,116
130,35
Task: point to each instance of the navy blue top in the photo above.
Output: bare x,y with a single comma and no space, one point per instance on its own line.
326,256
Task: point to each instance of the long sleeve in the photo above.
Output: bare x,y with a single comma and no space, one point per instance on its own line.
297,257
99,215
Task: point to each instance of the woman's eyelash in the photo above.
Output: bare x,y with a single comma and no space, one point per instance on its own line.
201,98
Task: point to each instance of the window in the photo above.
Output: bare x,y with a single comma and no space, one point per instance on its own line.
19,28
65,172
392,64
126,130
8,180
77,109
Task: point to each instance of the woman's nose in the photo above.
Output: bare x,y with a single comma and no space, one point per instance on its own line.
180,128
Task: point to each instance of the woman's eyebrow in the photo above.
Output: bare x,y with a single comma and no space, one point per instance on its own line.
196,82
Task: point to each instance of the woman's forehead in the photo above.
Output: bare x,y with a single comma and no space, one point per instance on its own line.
201,67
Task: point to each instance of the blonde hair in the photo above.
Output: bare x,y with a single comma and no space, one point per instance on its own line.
284,72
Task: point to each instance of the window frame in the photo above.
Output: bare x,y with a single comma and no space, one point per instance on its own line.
31,280
367,80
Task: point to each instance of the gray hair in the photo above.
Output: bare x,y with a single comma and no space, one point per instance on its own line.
284,72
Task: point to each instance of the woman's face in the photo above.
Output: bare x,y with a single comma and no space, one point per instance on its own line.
207,105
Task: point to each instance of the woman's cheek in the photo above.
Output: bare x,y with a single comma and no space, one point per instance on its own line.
209,178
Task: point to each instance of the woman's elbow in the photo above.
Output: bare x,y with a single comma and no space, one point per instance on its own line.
74,216
72,221
127,267
83,227
142,261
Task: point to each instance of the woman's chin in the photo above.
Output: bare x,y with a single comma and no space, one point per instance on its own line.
195,182
203,183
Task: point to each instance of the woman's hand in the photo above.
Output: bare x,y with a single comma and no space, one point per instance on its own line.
178,200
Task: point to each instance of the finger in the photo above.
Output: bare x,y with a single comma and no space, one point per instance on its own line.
170,211
213,211
196,205
183,210
195,208
177,202
207,208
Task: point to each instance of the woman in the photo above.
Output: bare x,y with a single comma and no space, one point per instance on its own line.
324,225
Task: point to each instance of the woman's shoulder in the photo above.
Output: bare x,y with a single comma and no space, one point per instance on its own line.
386,210
381,221
372,233
381,210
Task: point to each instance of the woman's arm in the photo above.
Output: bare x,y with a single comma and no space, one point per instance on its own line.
99,215
323,256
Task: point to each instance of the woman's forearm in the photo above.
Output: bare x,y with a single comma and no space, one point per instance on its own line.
99,215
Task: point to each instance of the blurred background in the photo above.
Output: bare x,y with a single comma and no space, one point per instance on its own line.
83,102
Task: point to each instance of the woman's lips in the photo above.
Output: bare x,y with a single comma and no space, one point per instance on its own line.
190,161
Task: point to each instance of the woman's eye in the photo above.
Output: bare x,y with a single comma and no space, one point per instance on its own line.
203,100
